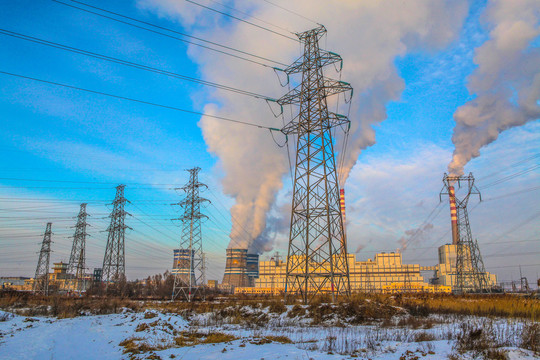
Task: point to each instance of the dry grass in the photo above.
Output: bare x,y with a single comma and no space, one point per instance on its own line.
508,306
135,345
218,337
530,337
361,308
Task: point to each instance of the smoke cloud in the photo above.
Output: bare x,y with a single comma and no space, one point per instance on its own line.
368,34
506,81
414,235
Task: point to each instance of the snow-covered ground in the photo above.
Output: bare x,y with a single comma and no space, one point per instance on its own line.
155,335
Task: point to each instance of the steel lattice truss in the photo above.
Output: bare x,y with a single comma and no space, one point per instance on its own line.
471,275
114,263
317,257
77,259
189,276
41,279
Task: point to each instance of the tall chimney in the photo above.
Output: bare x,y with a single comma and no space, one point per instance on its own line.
342,205
453,214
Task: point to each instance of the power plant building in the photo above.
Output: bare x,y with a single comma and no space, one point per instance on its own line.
385,273
445,271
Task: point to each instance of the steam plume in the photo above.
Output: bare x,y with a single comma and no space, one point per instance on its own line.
506,81
368,34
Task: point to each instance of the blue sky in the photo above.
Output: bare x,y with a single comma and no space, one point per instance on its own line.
61,146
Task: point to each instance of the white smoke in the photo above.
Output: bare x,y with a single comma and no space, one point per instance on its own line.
368,34
506,81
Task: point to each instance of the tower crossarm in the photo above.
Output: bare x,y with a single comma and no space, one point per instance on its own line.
326,58
333,120
328,87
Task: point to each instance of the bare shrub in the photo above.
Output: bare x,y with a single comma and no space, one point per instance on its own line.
480,341
5,316
296,311
530,337
423,336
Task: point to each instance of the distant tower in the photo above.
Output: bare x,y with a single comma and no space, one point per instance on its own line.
317,256
77,266
188,279
470,272
41,279
114,264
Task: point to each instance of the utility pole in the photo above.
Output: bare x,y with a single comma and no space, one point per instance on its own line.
77,266
41,279
470,271
114,263
190,272
317,255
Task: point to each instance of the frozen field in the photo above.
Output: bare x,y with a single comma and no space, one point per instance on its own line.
156,335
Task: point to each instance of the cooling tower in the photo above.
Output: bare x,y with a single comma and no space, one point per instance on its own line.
252,268
182,264
236,273
453,214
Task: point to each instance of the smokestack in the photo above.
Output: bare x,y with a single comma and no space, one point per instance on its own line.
342,205
236,268
453,214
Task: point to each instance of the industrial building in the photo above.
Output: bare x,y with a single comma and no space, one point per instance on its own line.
385,273
445,270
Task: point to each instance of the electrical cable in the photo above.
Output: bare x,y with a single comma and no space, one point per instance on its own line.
133,65
170,36
292,12
242,20
141,101
251,16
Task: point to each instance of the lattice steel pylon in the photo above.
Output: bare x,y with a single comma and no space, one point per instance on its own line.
114,263
41,279
471,276
317,255
77,259
189,274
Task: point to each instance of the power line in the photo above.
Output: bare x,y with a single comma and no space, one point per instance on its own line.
511,176
292,12
172,31
140,101
242,20
134,65
250,16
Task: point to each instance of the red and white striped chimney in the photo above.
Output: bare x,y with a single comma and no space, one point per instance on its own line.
453,214
342,205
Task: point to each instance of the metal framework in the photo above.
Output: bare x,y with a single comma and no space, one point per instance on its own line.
41,279
317,255
190,271
114,263
470,271
77,259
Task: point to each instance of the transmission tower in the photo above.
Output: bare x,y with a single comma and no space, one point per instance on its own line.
114,262
317,256
77,266
470,272
189,275
41,279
